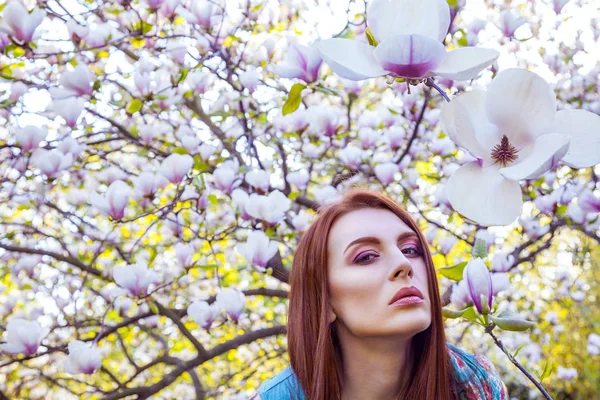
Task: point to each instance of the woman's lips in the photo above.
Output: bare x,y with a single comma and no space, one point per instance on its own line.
408,300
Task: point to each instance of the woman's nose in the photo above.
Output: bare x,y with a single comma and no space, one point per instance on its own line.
401,269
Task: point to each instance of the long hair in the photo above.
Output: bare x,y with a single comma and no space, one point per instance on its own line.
313,348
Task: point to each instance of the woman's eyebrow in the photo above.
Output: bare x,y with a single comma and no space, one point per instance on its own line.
375,240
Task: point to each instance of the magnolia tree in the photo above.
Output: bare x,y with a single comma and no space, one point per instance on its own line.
160,160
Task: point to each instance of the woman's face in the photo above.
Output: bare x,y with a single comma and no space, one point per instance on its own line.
371,255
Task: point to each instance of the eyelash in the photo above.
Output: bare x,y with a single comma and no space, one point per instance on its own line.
362,258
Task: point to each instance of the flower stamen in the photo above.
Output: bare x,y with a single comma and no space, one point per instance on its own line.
504,153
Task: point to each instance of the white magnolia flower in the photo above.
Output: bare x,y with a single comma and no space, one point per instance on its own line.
385,172
258,249
71,146
51,162
259,179
410,45
250,79
184,254
271,208
27,264
558,5
205,13
500,282
300,221
326,195
203,313
299,179
29,137
447,243
395,137
22,336
147,184
114,201
515,133
323,121
509,22
301,62
79,81
225,178
588,202
83,358
351,156
135,278
593,344
176,166
19,23
232,301
502,262
567,374
17,89
70,109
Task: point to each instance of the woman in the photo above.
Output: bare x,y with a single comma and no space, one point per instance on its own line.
365,317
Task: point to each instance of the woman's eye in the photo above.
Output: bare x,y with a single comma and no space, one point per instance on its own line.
365,258
412,251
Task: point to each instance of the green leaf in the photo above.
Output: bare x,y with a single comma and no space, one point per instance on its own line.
153,307
548,368
448,313
327,91
294,99
293,195
182,77
512,323
455,272
453,3
371,38
213,199
180,150
518,350
206,267
470,314
480,249
134,106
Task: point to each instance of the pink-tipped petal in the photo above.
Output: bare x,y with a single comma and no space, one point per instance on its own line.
484,196
410,56
543,155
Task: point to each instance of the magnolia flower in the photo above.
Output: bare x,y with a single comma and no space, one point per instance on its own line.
249,79
147,184
298,178
184,254
258,249
22,336
51,162
271,208
71,146
17,89
409,44
79,81
558,5
588,202
566,374
258,179
202,12
593,344
502,262
27,264
135,278
509,22
368,137
30,137
114,201
446,244
301,62
323,121
232,301
479,284
515,133
70,109
203,313
176,166
385,172
351,156
83,358
19,23
395,137
225,177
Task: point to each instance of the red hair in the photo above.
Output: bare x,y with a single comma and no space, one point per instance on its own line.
314,351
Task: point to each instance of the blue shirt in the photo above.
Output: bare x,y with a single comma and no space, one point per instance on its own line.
475,375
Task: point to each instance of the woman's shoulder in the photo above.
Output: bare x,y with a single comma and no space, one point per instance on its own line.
279,387
475,375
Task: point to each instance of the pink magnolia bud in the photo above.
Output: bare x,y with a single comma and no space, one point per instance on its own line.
83,358
78,81
70,109
479,284
203,313
51,162
114,201
232,301
135,278
22,337
17,89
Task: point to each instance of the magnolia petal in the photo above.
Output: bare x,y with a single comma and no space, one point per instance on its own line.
465,63
464,119
410,56
429,18
286,71
484,196
543,155
584,129
350,59
521,104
